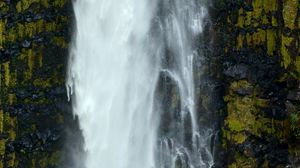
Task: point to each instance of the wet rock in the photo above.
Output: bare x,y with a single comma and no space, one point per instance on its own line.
244,91
294,94
21,94
277,112
26,44
290,107
24,144
3,135
248,8
9,147
237,71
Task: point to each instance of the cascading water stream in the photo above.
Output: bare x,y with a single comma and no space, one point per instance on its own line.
115,64
181,145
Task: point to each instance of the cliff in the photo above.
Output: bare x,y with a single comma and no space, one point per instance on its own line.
259,51
34,37
254,66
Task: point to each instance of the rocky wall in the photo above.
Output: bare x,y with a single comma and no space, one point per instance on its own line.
258,44
34,37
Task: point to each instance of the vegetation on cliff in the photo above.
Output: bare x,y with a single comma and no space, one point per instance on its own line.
33,46
261,71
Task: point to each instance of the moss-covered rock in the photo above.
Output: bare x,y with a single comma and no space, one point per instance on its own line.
34,36
260,42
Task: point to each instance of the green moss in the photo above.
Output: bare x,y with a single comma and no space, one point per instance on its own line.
297,67
240,114
286,58
60,41
240,22
241,84
6,73
247,19
2,31
290,12
240,41
274,21
23,5
50,160
270,5
295,123
2,147
271,42
1,121
294,150
4,7
239,138
257,8
243,162
259,37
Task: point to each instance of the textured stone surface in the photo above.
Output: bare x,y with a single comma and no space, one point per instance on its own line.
34,36
259,43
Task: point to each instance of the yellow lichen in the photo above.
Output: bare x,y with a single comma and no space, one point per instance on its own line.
42,82
50,160
270,5
271,41
265,19
249,39
11,98
12,160
257,8
240,22
2,147
6,73
60,41
236,85
24,4
2,35
259,37
30,63
241,112
1,121
59,3
11,35
285,42
247,18
239,138
243,162
297,65
40,57
290,12
274,21
240,40
45,3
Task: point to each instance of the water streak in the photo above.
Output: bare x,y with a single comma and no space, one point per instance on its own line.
115,63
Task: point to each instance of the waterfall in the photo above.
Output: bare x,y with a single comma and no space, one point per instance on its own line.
121,51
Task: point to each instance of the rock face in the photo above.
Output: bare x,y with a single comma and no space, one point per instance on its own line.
259,48
255,67
34,36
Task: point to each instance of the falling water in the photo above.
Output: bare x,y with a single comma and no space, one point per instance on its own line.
183,144
121,50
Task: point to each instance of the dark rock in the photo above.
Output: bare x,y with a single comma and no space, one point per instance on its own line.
22,94
26,44
248,8
3,135
294,94
244,91
237,71
277,112
9,147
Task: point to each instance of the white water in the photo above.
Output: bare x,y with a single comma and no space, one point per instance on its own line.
114,67
184,146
